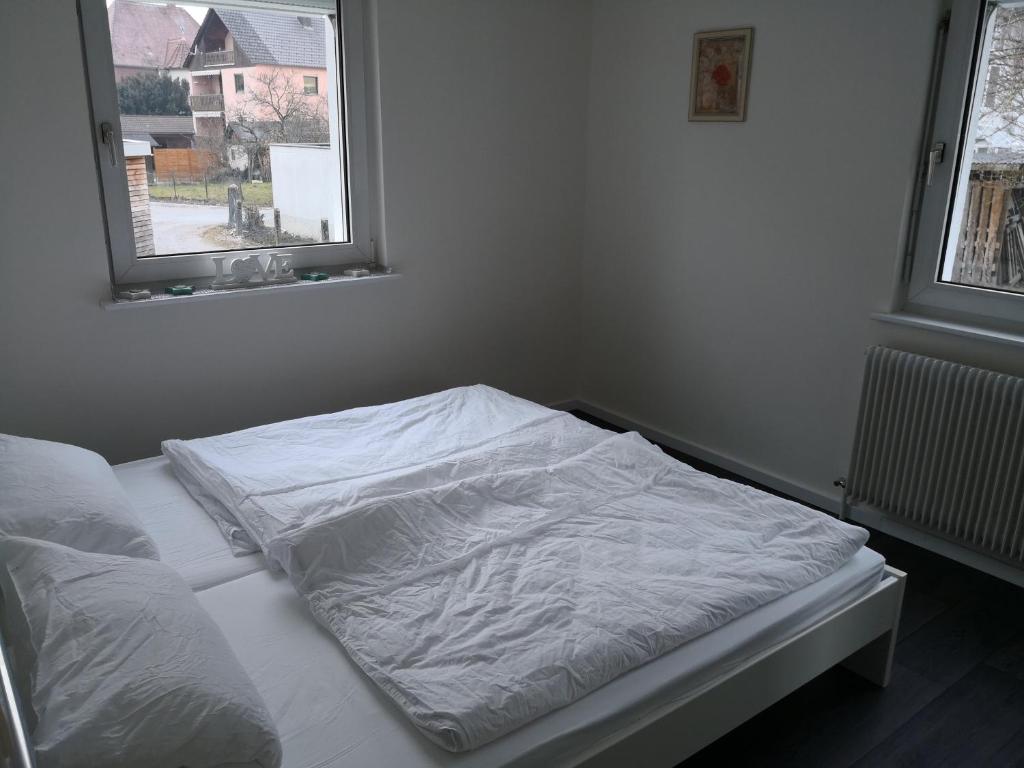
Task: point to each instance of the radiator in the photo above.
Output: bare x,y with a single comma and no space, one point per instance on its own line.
940,446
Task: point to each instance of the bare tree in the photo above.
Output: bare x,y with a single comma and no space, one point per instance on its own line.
1003,105
278,109
215,143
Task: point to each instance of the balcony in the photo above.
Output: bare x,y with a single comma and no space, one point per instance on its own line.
207,102
207,59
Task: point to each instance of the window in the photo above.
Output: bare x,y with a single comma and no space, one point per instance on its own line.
265,166
969,252
310,85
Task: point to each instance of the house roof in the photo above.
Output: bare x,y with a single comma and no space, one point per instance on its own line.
140,137
151,36
275,38
998,157
156,124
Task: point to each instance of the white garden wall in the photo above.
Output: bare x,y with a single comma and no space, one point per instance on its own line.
306,180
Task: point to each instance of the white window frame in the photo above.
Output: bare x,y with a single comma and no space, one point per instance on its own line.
969,35
126,267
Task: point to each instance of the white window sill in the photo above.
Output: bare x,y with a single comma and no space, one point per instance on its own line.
964,329
208,294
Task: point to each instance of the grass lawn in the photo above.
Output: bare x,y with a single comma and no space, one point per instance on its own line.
252,194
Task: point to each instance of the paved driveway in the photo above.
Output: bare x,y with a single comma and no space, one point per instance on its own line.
179,227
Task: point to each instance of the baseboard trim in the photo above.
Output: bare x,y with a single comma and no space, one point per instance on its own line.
940,546
567,405
755,474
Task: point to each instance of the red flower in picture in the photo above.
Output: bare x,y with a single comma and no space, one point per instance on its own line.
721,75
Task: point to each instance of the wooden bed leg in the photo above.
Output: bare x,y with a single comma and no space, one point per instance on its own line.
873,662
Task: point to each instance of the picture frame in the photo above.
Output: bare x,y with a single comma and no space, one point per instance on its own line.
720,75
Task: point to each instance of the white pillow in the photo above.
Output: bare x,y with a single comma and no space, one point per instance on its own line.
68,495
129,670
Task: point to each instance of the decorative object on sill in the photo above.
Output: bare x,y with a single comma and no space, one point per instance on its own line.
720,74
249,271
180,290
315,276
134,294
357,272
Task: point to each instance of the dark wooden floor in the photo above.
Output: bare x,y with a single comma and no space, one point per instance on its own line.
957,693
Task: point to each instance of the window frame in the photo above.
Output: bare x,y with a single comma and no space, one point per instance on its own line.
316,85
965,57
239,82
353,130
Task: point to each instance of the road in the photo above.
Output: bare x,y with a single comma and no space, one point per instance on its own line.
179,227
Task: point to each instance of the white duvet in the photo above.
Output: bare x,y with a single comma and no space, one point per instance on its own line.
259,482
516,562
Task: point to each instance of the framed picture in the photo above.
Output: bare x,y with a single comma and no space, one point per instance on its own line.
721,71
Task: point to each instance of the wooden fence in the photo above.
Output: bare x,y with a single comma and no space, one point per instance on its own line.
990,249
182,164
981,234
1012,270
138,194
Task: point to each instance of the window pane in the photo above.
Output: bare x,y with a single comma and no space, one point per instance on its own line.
227,145
985,248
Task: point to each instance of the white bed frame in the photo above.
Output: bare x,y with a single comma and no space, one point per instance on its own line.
861,637
15,748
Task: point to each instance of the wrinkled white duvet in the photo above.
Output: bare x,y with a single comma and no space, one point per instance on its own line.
484,585
259,482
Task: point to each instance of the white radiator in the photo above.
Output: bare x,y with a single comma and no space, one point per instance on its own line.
940,446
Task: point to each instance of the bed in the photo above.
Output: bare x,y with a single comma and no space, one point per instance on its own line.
187,538
331,715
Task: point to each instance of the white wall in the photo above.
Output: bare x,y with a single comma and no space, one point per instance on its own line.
728,273
483,124
730,269
305,181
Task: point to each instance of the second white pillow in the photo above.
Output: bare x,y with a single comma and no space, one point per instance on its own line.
128,668
68,495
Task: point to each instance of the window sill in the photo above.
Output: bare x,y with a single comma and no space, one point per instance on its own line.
963,329
208,294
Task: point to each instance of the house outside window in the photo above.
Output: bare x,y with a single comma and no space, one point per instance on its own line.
150,40
267,163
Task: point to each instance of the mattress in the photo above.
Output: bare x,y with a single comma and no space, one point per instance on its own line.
188,540
330,715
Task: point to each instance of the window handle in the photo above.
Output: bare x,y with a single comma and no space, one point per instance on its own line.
107,135
935,156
